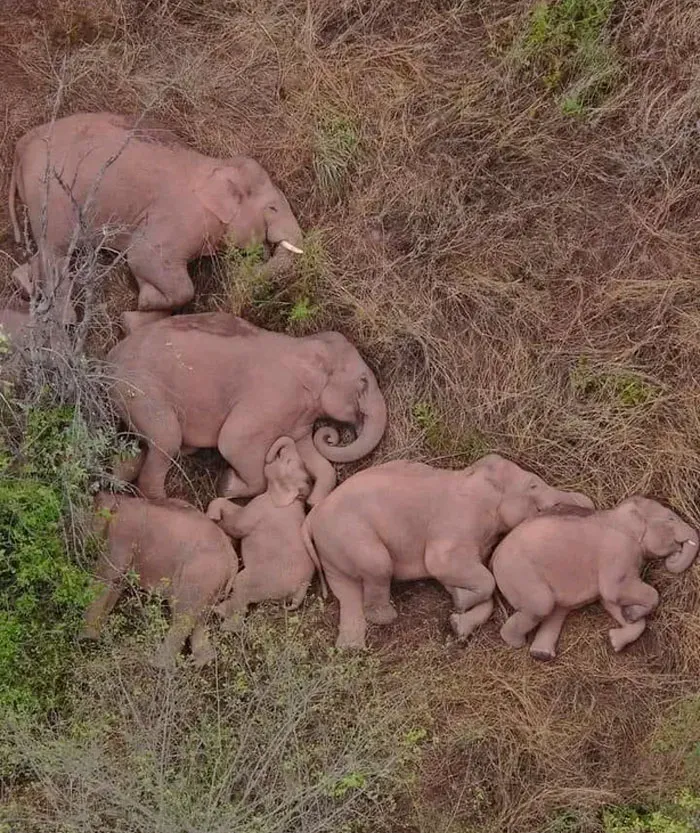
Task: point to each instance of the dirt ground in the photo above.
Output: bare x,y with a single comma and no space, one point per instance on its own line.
504,207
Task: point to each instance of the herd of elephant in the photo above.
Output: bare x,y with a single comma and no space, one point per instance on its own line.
188,382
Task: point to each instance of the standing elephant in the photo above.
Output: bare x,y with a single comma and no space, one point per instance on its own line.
408,521
174,548
550,565
215,381
166,204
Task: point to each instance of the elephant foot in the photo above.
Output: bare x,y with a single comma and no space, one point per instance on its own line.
350,641
203,656
512,639
381,615
89,633
633,613
542,654
621,637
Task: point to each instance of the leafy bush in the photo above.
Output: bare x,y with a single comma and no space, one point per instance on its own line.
42,596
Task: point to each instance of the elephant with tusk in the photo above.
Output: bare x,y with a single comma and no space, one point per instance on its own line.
166,203
552,564
213,380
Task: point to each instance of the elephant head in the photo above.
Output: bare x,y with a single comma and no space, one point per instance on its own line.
522,493
252,209
287,478
661,533
350,395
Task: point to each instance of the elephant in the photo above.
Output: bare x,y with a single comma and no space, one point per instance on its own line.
276,564
136,188
407,520
552,564
173,547
213,380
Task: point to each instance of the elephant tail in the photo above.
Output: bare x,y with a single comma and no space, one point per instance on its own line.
11,203
311,550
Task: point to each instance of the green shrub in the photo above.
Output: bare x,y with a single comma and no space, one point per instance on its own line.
566,44
42,596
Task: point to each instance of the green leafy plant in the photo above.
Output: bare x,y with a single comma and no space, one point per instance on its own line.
620,387
566,43
42,596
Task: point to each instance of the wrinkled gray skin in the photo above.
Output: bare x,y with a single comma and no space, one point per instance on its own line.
169,204
276,564
174,548
550,565
407,521
216,381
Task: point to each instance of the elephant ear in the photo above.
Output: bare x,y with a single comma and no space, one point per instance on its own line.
220,194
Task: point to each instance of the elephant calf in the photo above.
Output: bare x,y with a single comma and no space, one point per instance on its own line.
276,564
407,520
552,564
173,547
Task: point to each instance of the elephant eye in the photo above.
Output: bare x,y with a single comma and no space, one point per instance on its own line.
272,208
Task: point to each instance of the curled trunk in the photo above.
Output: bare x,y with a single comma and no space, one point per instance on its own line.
369,431
681,560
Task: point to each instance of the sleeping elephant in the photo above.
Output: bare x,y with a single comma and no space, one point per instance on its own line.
408,521
166,204
213,380
553,564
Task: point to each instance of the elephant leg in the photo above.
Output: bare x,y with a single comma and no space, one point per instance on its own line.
376,586
111,567
182,625
319,468
545,642
99,610
465,623
637,599
234,609
245,455
298,596
163,446
352,627
202,650
469,583
163,284
514,632
128,469
628,632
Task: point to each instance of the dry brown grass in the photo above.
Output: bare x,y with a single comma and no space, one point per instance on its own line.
526,278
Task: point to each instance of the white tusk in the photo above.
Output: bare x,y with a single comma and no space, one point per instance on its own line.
690,541
288,246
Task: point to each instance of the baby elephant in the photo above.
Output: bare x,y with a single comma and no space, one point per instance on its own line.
173,547
408,521
276,564
552,564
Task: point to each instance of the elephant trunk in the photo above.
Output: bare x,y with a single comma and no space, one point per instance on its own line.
681,560
371,430
284,233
